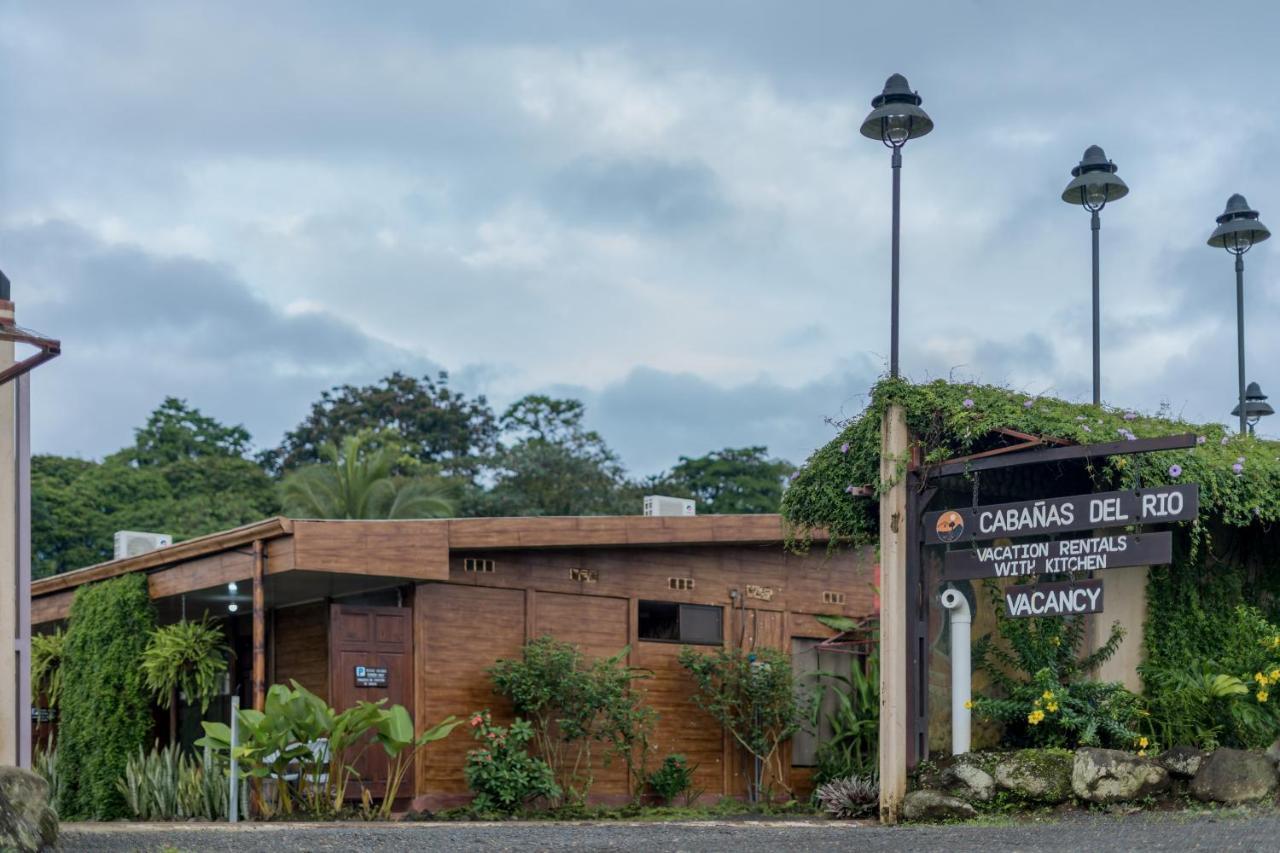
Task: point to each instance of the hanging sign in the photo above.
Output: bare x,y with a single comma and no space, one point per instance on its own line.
371,676
1069,598
1089,554
1059,515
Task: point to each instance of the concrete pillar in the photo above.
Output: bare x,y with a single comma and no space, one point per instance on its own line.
9,690
894,541
1124,600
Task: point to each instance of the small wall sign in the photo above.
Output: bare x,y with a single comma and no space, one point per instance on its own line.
764,593
1069,598
371,676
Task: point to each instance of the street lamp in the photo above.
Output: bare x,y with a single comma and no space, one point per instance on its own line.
1093,184
1237,232
894,119
1256,406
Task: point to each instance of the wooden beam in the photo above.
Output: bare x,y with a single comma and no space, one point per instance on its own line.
966,465
894,542
259,627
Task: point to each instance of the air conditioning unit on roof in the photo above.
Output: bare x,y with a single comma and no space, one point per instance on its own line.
131,543
661,505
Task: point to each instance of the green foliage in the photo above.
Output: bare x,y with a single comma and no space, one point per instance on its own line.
732,480
1048,699
573,704
437,427
46,666
176,431
672,779
501,772
104,715
753,696
44,761
358,482
166,784
394,732
853,747
185,656
849,797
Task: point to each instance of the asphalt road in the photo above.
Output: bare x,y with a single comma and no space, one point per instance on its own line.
1167,831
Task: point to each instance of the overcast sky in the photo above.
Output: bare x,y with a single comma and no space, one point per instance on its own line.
663,208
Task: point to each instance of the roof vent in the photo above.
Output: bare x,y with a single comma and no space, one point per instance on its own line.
659,505
131,543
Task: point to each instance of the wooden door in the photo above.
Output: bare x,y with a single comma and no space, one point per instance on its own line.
371,658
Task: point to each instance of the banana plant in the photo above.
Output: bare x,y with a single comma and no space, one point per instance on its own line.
394,732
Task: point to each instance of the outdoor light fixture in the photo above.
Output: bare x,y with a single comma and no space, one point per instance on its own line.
233,607
1238,231
232,587
1093,184
1256,406
895,118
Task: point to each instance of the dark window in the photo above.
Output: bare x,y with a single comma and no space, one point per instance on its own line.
681,623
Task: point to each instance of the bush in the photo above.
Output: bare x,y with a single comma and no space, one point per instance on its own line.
853,747
673,778
501,772
753,696
850,797
105,715
165,784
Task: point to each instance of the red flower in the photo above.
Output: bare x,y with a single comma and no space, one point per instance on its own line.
476,720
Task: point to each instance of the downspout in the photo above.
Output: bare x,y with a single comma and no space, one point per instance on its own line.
961,671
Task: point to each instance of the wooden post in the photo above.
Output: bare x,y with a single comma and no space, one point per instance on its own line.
259,627
894,542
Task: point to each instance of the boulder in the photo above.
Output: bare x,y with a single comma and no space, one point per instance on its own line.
1037,775
27,823
1234,776
935,805
1273,752
1108,776
1182,762
969,782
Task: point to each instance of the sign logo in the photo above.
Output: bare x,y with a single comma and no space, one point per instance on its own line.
950,526
359,672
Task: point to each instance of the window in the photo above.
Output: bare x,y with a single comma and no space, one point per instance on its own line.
681,623
474,564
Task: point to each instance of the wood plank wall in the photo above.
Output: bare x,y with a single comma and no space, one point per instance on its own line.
463,626
300,645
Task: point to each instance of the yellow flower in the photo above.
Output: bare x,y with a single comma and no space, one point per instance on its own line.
1260,678
1053,707
1057,641
1047,695
1262,695
1274,675
1142,752
968,703
1143,742
1035,717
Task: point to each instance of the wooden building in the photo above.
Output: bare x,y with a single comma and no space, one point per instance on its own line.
435,602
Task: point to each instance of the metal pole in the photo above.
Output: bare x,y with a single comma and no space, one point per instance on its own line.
896,163
22,454
1095,225
1240,333
233,804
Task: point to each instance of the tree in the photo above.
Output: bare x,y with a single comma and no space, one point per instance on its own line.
436,425
552,465
176,431
733,480
357,482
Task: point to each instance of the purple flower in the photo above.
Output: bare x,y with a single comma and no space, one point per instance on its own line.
1240,459
1128,416
1200,439
1028,404
1130,437
1237,468
1175,471
844,448
1225,440
794,475
968,404
1085,427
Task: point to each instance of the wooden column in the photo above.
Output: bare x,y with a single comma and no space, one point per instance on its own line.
894,542
259,627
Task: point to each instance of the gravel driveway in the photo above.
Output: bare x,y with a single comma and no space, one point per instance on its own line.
1168,831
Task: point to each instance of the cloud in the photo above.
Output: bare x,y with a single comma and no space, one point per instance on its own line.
647,193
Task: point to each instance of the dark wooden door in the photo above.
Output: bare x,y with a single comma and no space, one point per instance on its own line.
365,642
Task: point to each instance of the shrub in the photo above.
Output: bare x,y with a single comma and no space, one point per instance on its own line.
853,746
850,797
754,698
105,716
501,772
673,778
165,784
572,704
1048,699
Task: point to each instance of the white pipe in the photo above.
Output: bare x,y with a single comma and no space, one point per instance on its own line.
961,670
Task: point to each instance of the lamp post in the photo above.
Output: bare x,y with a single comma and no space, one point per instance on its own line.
1094,183
1256,406
895,118
1237,232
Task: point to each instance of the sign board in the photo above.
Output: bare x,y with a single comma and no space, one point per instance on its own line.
1156,505
1088,554
371,676
1069,598
44,715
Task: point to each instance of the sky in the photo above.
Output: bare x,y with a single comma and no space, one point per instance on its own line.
662,208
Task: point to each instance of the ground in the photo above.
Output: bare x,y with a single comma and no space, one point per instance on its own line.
1175,831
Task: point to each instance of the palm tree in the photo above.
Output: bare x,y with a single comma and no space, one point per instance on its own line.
357,482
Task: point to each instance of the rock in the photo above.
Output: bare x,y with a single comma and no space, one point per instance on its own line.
1110,776
935,805
1182,761
1273,752
1234,776
27,823
969,782
1039,775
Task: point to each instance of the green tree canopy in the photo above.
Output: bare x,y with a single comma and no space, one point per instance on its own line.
436,425
732,480
176,431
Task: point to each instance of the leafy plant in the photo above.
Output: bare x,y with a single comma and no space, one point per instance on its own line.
572,704
44,761
501,772
394,731
46,666
673,778
189,657
849,797
753,696
166,784
105,715
853,746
